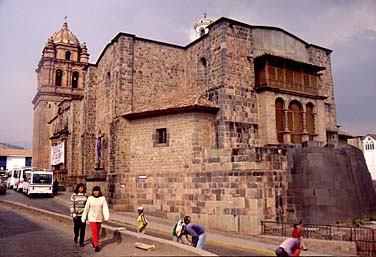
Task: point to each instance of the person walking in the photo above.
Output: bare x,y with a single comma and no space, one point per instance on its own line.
55,187
142,222
197,233
176,231
289,247
77,206
96,210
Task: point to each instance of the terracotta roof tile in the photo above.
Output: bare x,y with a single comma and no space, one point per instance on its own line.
182,101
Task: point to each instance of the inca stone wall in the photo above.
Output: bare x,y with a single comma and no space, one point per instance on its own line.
329,185
233,190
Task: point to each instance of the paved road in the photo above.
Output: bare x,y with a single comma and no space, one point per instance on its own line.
23,232
53,205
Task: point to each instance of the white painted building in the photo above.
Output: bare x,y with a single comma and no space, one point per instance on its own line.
14,158
369,149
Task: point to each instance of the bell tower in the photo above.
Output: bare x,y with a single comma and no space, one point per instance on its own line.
60,76
201,26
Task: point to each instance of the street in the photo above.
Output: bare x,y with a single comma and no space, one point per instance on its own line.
54,205
22,234
27,233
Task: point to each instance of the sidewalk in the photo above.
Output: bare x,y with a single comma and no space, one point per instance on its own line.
259,244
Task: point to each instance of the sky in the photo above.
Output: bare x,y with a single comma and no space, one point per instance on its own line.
344,26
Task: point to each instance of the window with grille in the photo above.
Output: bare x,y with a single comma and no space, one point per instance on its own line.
160,137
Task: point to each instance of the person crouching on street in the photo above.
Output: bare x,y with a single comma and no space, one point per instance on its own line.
77,206
141,220
176,231
289,247
197,233
96,210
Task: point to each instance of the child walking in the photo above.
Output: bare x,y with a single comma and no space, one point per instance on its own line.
141,220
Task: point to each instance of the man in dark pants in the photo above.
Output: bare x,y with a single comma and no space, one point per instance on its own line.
55,187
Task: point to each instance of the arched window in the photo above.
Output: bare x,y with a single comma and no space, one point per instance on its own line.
58,77
201,71
295,122
75,79
310,120
280,119
202,32
67,55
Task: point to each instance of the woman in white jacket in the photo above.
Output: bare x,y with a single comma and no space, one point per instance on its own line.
96,210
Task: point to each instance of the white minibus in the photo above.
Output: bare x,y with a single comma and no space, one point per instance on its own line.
21,177
38,182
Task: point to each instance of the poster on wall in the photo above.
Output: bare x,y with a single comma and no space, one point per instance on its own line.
57,154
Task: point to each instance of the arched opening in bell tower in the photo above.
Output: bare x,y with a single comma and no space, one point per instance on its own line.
58,77
67,55
75,77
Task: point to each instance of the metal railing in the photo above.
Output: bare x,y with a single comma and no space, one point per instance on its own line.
366,248
363,237
316,231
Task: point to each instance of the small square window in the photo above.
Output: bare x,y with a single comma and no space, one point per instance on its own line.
161,136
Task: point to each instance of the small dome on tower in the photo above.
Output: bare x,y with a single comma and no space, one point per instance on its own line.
65,36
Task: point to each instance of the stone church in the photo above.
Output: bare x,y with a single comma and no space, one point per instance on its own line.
236,127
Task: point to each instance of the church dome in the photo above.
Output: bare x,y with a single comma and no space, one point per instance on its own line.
65,36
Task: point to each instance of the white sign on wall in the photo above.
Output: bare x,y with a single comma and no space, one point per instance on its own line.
57,154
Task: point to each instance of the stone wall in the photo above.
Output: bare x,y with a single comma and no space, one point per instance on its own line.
226,189
329,185
184,131
159,72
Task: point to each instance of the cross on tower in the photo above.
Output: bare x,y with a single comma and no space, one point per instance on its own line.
65,18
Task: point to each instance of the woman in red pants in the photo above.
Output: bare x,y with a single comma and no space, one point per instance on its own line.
96,210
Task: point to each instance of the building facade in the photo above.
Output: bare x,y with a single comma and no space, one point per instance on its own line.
14,158
193,129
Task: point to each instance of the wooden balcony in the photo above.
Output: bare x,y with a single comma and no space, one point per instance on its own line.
288,76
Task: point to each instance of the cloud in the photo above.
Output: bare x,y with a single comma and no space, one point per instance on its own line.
346,27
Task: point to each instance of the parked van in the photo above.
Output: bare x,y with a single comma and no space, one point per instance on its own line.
38,182
12,179
21,177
